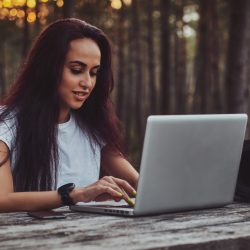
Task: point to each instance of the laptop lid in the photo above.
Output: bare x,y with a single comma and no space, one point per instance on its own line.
189,162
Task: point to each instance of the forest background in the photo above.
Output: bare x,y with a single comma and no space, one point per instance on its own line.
169,56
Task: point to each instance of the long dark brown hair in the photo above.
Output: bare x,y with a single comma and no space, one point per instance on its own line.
34,101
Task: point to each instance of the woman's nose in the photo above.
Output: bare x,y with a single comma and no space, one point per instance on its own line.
86,80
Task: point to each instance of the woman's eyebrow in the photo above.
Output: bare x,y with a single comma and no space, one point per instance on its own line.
82,64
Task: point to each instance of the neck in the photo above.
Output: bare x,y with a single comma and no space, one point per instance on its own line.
64,116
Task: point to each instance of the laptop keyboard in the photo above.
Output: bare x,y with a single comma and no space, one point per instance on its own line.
113,206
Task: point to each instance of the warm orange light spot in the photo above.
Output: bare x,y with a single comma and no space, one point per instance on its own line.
59,3
31,3
31,17
44,1
127,2
19,2
116,4
13,12
20,13
4,12
44,11
7,3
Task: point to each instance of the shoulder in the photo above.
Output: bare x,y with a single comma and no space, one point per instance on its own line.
7,119
3,147
7,126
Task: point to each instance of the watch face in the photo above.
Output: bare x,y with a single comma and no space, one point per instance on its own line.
67,187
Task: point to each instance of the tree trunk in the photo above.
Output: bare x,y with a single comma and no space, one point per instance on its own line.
26,34
165,56
236,78
151,59
138,70
37,23
131,141
207,60
217,90
121,63
180,61
2,71
67,8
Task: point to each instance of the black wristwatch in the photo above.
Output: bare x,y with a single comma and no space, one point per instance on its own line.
64,191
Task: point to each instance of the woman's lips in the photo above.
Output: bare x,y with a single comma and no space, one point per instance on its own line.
80,95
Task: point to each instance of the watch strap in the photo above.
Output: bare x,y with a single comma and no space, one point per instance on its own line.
64,192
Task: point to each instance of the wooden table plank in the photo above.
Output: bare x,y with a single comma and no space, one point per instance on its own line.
222,228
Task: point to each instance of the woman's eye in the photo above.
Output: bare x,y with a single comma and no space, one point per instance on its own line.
93,73
76,71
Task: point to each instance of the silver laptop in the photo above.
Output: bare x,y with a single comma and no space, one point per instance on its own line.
188,162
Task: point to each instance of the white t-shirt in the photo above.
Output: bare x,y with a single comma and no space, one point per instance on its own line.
79,160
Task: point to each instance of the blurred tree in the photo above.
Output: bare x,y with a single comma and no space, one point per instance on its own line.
151,58
10,54
130,131
169,56
26,33
238,50
165,6
121,62
138,69
207,59
180,60
2,71
68,8
216,91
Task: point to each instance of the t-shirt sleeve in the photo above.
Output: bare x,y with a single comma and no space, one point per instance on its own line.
6,134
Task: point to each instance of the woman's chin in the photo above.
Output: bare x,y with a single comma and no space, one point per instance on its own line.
77,106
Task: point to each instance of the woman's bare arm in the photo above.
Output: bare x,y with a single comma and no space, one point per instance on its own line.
114,164
21,201
10,201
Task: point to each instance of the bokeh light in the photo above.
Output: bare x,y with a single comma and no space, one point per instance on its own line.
31,17
127,2
20,13
59,3
18,10
116,4
31,3
7,3
13,12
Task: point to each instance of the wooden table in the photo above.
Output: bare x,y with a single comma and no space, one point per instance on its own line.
221,228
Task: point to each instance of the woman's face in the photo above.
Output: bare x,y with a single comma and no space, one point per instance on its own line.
79,75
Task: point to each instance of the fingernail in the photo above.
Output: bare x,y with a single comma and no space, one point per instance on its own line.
120,194
130,202
134,193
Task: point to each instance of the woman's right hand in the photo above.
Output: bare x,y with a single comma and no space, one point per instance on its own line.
107,188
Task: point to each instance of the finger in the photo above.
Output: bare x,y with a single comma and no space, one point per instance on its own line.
100,188
108,190
120,186
128,199
109,182
125,185
107,197
104,197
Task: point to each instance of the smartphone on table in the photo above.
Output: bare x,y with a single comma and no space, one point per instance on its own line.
47,214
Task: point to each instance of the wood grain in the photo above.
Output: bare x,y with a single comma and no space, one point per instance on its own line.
221,228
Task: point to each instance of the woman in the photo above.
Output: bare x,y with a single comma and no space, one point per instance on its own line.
58,126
